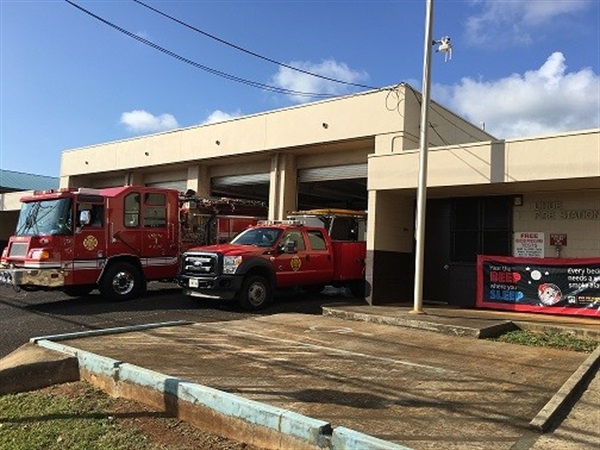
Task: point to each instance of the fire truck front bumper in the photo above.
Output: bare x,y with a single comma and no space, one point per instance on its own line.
34,278
223,287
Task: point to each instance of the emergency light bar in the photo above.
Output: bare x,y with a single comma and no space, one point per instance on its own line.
279,222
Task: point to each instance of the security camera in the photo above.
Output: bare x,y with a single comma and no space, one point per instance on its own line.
444,46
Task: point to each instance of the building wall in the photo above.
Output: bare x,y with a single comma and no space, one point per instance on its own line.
390,247
10,206
574,213
319,131
502,165
315,123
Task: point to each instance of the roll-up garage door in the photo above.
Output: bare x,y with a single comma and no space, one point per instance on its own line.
345,172
253,186
180,185
239,180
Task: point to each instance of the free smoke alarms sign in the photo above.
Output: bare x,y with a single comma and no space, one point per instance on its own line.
528,244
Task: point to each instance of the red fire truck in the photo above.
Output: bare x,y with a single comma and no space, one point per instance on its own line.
313,249
114,239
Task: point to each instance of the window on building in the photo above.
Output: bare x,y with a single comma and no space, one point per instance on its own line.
481,226
131,218
155,210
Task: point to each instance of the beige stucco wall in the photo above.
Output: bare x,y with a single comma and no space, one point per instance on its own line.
574,213
337,131
10,206
390,222
11,201
344,118
572,158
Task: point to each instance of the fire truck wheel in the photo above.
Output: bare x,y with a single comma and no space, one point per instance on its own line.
121,281
78,291
256,293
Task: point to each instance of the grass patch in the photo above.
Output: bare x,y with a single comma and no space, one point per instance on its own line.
555,339
30,421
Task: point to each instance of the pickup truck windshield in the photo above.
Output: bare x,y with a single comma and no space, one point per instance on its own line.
46,217
261,237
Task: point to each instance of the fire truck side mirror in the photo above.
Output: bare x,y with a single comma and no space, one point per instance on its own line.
85,217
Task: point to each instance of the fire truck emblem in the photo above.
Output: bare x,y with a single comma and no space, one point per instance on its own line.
90,243
296,263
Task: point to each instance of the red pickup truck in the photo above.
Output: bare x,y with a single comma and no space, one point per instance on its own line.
271,256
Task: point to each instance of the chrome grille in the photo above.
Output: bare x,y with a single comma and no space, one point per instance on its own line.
18,249
197,264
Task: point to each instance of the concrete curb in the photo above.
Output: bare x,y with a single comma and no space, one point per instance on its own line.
217,411
556,407
31,367
105,331
346,439
454,330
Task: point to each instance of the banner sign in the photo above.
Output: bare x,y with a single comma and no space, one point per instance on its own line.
545,285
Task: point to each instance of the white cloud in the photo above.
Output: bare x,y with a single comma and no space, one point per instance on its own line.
140,121
503,22
543,101
220,116
302,82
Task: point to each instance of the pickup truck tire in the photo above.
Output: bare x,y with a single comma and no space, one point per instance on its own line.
256,293
122,281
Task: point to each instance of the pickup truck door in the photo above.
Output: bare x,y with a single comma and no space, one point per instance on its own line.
320,257
292,267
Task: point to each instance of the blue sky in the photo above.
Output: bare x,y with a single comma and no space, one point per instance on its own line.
67,80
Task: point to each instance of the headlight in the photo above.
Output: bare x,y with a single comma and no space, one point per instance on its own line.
39,254
231,263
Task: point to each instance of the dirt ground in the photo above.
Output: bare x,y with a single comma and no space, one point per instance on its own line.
162,432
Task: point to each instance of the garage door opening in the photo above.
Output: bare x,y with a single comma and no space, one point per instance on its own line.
250,187
333,187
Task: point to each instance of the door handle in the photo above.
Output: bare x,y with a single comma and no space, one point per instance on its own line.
308,257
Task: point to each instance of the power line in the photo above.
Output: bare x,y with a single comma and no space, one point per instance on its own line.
208,69
443,117
250,52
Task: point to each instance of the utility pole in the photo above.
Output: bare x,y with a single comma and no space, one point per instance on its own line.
422,180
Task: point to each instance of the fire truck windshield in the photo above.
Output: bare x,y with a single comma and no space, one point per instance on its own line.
46,217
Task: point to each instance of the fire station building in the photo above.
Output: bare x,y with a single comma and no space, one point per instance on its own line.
361,152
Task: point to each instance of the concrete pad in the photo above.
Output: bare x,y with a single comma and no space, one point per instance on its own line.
557,405
31,367
405,386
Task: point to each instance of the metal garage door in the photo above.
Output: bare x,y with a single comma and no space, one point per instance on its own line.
345,172
180,185
253,186
239,180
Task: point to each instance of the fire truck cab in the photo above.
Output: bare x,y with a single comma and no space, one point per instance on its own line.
76,240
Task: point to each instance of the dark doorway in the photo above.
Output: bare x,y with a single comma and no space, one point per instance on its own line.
457,231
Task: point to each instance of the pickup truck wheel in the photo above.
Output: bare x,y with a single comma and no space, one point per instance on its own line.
121,281
256,293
